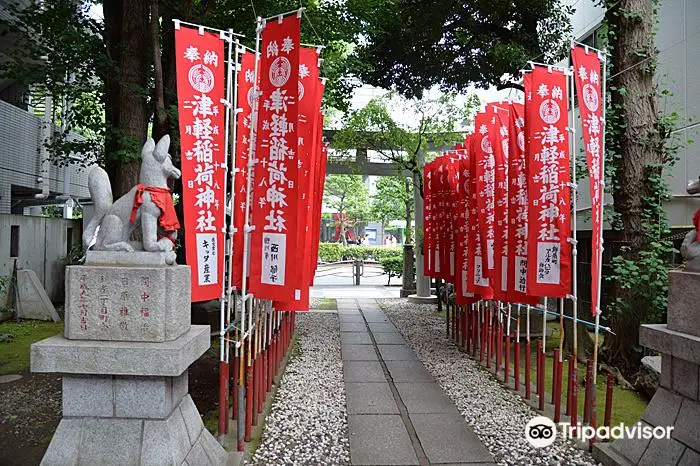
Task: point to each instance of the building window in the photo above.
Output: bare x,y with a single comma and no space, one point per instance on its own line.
14,241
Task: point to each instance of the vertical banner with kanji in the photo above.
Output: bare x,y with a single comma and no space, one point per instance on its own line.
588,87
517,208
498,135
309,102
244,121
549,216
274,251
428,249
200,89
486,191
477,282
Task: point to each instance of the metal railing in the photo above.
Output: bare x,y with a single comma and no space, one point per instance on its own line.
354,269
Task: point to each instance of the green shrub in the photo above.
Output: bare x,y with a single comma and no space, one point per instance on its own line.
334,252
393,266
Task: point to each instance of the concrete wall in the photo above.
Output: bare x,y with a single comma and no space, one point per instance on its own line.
20,163
43,243
678,71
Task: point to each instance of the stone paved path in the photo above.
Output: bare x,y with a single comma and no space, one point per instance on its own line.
397,414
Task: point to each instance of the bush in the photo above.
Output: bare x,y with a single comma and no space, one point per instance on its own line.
393,266
334,252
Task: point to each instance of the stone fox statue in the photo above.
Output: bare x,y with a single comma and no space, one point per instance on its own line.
147,205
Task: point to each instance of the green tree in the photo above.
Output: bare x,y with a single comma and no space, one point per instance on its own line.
348,196
412,46
393,200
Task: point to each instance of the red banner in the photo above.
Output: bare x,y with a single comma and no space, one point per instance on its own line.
517,208
486,191
498,135
428,223
274,250
319,181
245,104
477,282
549,214
200,89
307,159
462,295
588,83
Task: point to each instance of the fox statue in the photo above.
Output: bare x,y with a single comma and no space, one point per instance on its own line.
146,205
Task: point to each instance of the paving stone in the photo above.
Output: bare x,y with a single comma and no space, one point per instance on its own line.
370,398
663,408
687,426
389,338
661,452
379,440
355,338
408,371
446,438
690,458
424,398
352,327
359,353
351,318
378,317
396,353
379,327
363,371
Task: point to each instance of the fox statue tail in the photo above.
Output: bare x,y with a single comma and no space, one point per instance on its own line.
101,194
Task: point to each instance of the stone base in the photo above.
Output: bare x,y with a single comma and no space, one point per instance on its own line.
683,299
127,303
406,293
414,298
178,439
136,258
676,403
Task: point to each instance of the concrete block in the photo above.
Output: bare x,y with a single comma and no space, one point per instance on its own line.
358,353
33,302
685,378
370,444
683,299
687,426
111,441
171,358
446,438
180,439
381,327
216,453
193,421
88,395
355,338
197,455
391,338
408,371
375,316
370,398
679,345
65,444
363,371
396,352
666,378
690,458
157,445
662,451
352,326
632,448
180,387
663,408
143,397
424,398
150,304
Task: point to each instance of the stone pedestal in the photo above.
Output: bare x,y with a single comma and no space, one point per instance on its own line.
677,400
128,344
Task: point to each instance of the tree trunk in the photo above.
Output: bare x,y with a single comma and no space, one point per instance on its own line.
126,107
641,154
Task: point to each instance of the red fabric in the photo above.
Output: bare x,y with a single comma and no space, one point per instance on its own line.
549,213
163,198
485,189
274,249
477,282
696,222
427,220
200,63
587,77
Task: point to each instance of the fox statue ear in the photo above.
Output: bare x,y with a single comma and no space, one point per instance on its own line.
148,147
162,148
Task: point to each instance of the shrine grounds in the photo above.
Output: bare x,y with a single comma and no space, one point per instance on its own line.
308,420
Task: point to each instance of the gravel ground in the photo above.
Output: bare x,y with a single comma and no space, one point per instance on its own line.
308,422
497,415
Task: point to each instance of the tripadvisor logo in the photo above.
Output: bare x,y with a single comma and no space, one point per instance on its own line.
541,431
